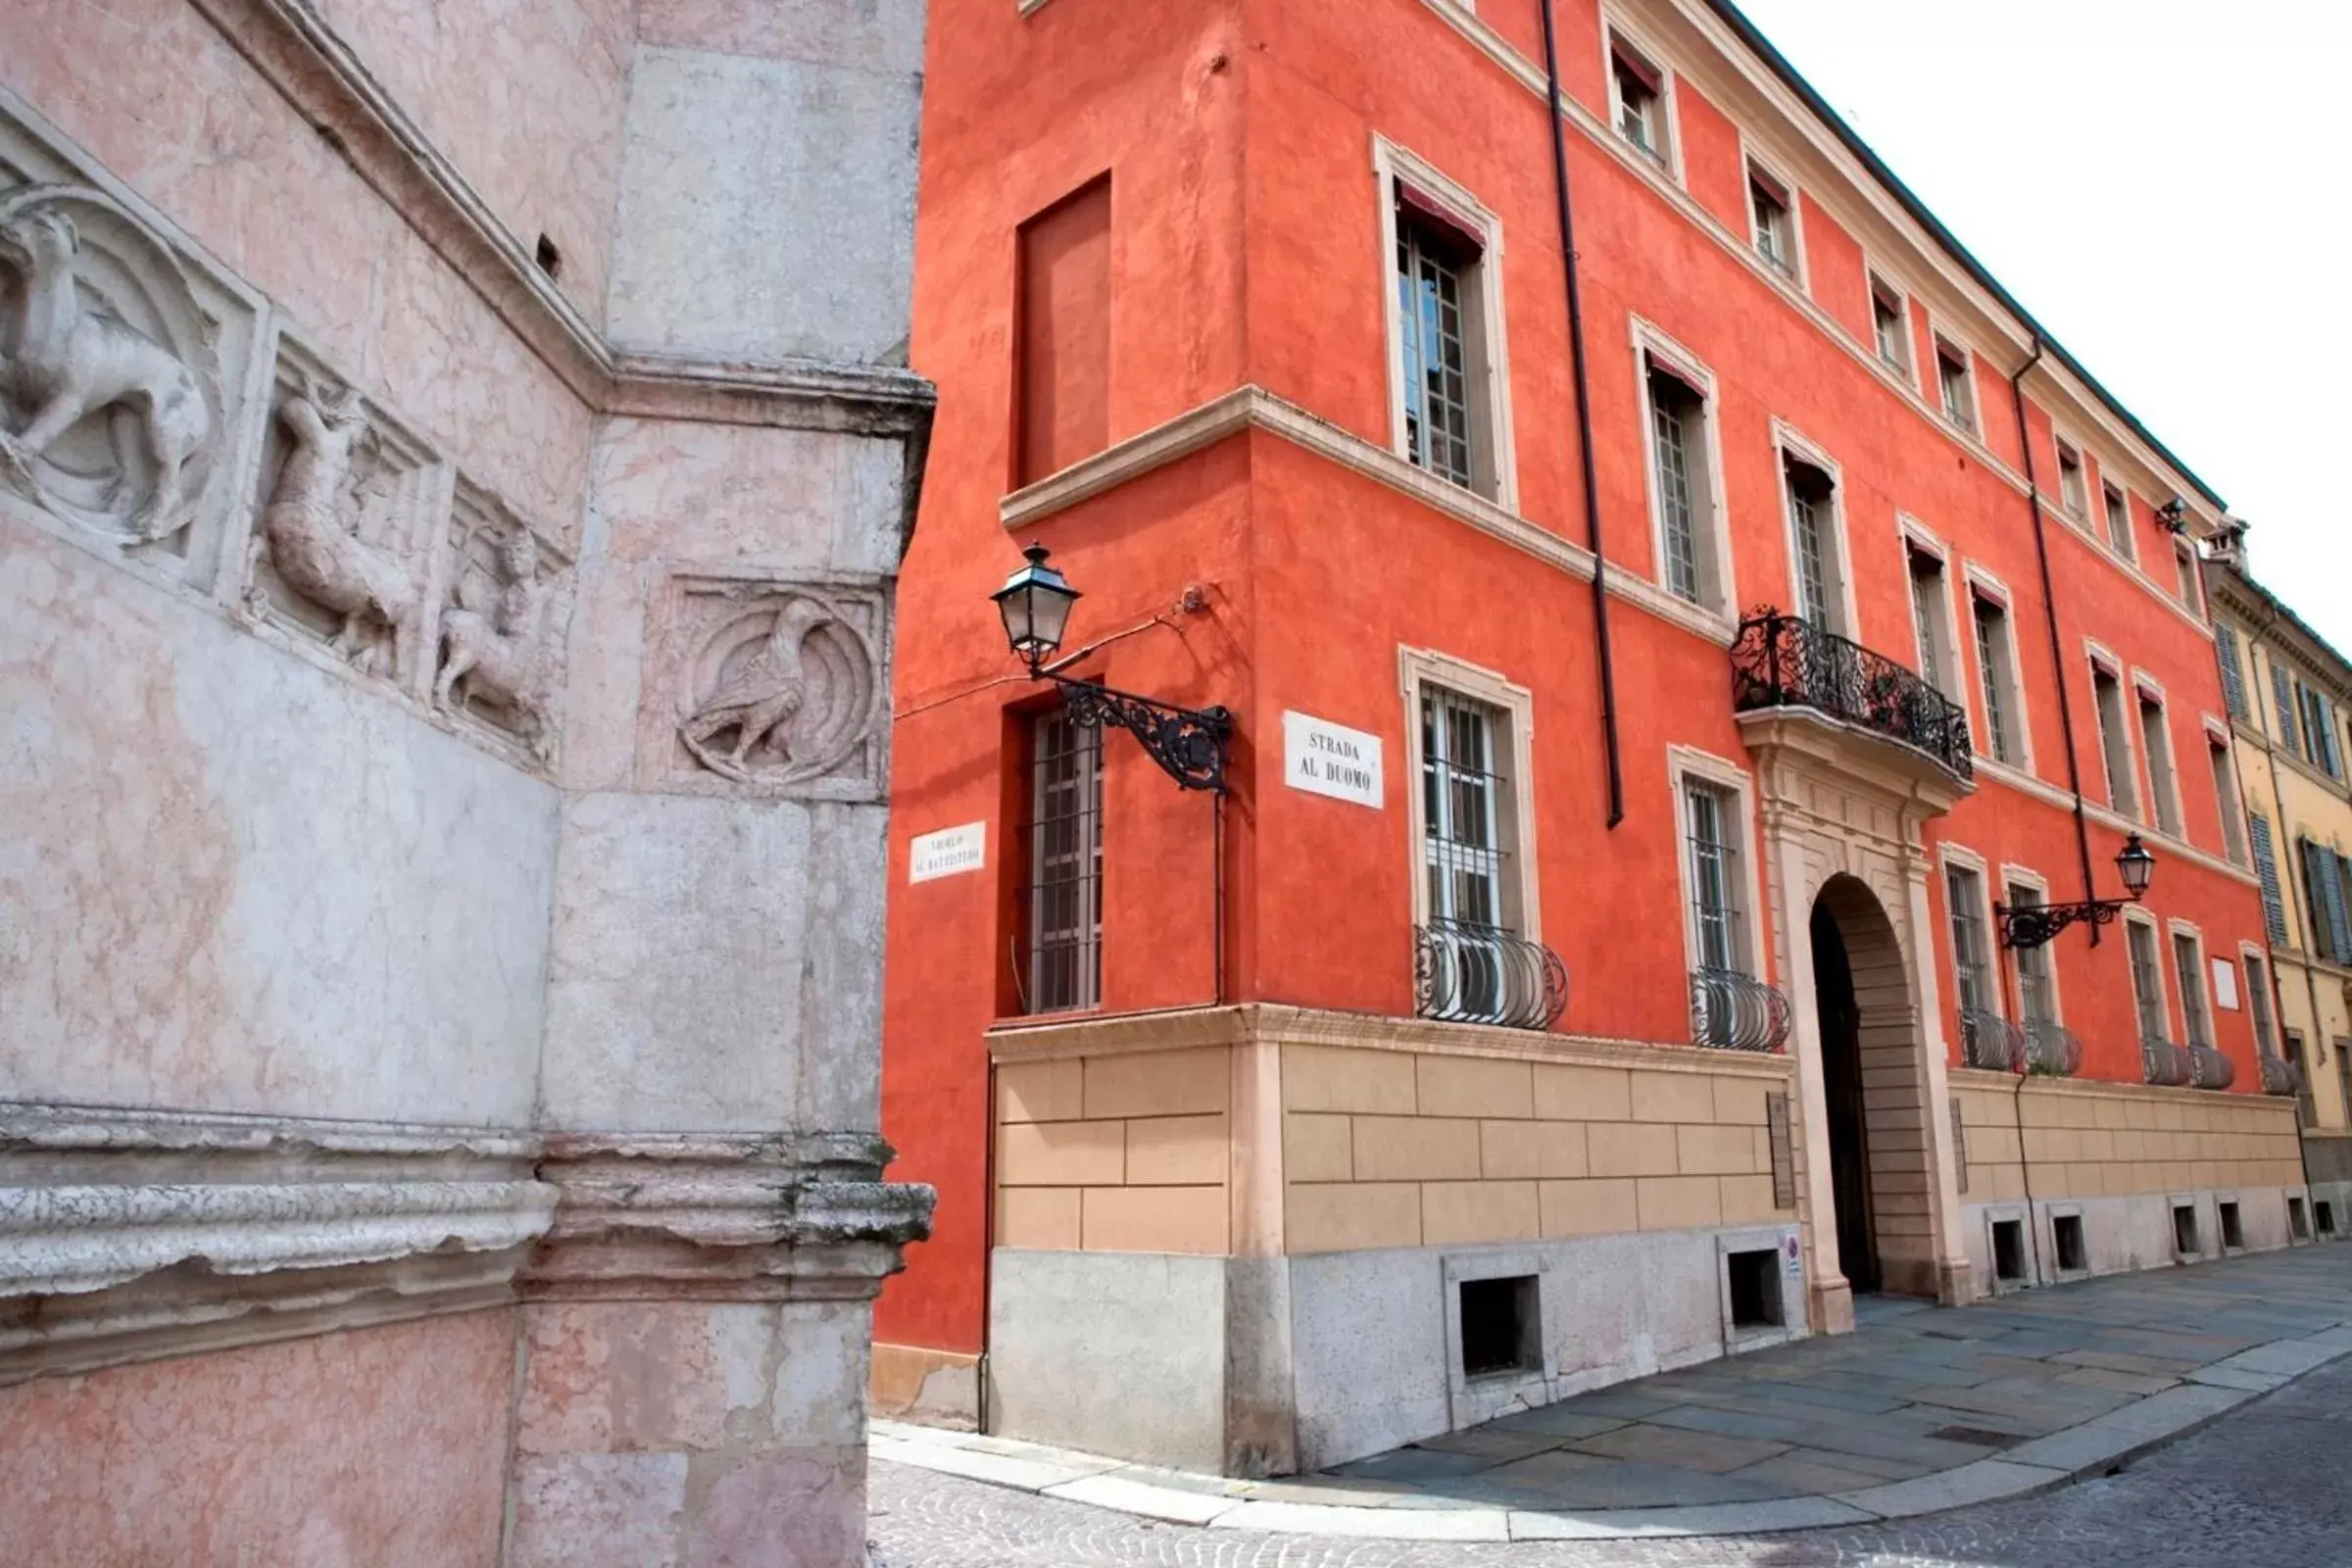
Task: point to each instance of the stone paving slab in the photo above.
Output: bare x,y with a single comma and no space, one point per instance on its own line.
1921,1410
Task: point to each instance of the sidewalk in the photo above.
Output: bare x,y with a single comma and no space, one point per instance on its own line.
1919,1410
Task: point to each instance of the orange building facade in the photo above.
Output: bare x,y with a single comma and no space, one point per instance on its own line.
1592,964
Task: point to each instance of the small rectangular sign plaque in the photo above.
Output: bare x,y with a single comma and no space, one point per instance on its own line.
1327,758
947,853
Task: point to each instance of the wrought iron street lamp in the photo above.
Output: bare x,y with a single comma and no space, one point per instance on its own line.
2031,925
1189,743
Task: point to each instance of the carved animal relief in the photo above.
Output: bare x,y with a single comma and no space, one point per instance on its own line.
341,544
501,630
111,404
779,686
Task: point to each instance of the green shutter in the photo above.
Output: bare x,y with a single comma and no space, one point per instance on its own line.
2283,691
2266,862
2233,674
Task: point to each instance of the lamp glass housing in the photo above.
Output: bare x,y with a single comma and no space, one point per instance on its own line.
2136,865
1035,603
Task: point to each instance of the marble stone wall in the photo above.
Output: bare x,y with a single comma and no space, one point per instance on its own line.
454,466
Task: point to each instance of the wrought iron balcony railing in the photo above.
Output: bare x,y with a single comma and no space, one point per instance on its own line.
2279,1075
2166,1063
1785,662
1469,973
2208,1069
1734,1012
2052,1049
1989,1040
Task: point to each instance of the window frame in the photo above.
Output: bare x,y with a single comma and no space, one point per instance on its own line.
1980,583
1417,667
1873,279
1687,765
2176,933
2229,799
1761,168
2142,920
2124,546
1616,35
2188,580
2163,794
1712,544
1396,167
2014,877
1032,838
1915,538
1955,856
2269,1018
1788,443
2074,501
2101,662
1941,340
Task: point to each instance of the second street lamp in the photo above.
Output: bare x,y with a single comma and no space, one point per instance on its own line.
1189,743
2032,925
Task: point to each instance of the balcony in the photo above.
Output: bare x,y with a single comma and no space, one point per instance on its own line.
1733,1012
2166,1063
1468,973
1991,1042
2052,1050
2279,1077
1781,663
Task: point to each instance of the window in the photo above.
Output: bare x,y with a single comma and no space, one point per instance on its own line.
2065,1238
2156,741
2070,481
1640,90
1972,972
1930,621
1063,967
2184,572
2036,982
1717,921
1996,671
1432,263
1467,810
2283,695
2188,971
1681,483
1446,371
1955,384
2119,522
2258,1000
2234,671
2319,730
2225,795
1890,322
2328,910
1772,216
2266,867
2147,980
1062,334
1813,543
2115,744
2009,1252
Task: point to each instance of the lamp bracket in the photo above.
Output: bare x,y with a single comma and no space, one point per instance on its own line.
2033,925
1188,744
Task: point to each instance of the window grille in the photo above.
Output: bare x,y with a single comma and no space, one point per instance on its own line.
1715,911
2189,971
2266,867
1430,294
1673,415
1992,653
2036,985
1465,803
1964,893
1065,960
2147,981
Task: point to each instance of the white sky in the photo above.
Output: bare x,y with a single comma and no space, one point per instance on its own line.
2167,185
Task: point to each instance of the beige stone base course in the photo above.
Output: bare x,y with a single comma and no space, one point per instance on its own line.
2084,1138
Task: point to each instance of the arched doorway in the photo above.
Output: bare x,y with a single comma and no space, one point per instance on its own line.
1873,1084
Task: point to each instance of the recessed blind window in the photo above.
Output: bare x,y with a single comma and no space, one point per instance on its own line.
1715,878
1431,264
2037,988
1964,892
1467,807
2189,971
2233,674
1065,864
2147,980
2266,867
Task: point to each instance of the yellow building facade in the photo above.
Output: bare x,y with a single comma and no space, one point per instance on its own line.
2289,696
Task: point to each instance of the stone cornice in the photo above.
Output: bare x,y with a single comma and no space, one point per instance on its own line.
1185,1029
294,48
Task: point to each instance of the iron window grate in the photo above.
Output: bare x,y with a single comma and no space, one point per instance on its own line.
1062,967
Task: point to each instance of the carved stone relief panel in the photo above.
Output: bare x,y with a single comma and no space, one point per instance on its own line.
351,504
504,616
125,363
769,687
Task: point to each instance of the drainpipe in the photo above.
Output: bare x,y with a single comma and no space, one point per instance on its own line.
1584,423
2049,610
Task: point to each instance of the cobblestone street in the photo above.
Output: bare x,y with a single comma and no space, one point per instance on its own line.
2263,1488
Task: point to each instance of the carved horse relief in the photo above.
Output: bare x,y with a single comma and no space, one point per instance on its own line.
110,383
497,642
794,683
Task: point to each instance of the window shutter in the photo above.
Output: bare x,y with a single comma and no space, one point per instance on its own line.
2340,911
2284,692
2273,910
2234,675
